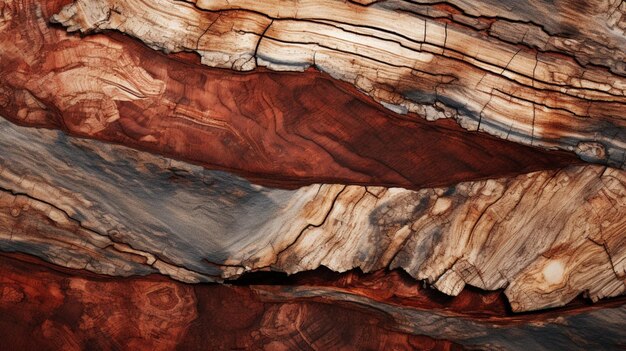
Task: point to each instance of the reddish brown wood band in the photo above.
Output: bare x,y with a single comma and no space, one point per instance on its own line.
75,310
72,310
280,129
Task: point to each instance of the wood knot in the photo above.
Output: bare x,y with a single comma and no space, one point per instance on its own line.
553,272
163,298
15,211
591,151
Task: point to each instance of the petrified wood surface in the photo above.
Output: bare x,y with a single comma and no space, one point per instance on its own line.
268,127
316,310
138,213
435,60
468,149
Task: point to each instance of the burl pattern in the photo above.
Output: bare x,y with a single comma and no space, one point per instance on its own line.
72,310
299,174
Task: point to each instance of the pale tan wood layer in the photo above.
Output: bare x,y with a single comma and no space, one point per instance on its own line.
544,237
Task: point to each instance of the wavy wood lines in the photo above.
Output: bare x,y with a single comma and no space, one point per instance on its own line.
437,65
277,129
299,174
346,312
113,210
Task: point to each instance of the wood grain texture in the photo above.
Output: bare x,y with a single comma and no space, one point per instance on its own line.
73,310
559,83
277,129
153,313
423,151
114,210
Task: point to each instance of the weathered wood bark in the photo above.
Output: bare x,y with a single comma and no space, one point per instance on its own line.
469,157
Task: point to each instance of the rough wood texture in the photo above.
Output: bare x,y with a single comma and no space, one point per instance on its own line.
539,73
274,128
87,312
73,310
113,210
448,144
